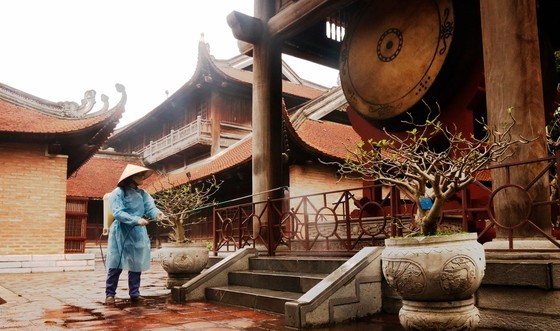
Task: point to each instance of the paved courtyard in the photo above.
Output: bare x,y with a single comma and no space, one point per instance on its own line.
75,301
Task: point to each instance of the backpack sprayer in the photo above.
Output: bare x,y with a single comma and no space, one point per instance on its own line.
108,217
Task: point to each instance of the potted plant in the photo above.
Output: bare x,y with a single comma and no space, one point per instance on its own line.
436,275
182,258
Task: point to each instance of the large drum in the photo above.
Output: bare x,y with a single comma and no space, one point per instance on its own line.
392,54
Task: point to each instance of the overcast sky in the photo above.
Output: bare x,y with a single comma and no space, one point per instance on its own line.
58,49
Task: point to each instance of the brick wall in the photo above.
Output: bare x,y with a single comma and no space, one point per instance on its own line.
32,200
315,178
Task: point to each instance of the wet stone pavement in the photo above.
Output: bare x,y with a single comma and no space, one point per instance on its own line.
75,301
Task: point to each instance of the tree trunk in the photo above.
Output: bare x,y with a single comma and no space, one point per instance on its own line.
179,232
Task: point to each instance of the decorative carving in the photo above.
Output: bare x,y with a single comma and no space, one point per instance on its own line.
444,316
68,109
388,39
72,109
445,30
458,275
183,260
405,276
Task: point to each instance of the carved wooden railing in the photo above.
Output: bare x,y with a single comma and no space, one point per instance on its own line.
197,132
344,221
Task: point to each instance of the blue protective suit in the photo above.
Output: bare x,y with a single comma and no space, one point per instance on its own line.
129,245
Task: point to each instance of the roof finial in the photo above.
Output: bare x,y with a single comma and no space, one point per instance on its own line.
201,37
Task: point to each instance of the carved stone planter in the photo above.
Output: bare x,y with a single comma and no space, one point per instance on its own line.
436,278
182,261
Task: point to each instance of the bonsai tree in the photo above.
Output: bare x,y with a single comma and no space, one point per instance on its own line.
180,202
430,163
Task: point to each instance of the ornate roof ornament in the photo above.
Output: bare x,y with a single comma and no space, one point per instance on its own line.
62,109
72,109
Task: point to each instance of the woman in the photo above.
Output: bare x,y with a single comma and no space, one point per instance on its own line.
129,245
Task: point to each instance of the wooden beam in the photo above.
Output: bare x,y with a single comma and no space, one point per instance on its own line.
302,14
245,28
245,48
513,78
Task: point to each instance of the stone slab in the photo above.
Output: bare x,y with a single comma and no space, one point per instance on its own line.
38,264
555,274
518,273
71,257
518,321
75,263
12,258
15,271
50,257
517,299
15,264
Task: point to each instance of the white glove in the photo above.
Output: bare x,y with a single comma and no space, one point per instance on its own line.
143,222
161,217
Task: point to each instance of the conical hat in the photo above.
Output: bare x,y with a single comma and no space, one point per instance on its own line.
132,170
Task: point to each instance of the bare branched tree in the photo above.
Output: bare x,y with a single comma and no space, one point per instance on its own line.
422,169
179,202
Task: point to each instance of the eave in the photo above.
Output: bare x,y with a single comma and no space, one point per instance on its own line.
70,131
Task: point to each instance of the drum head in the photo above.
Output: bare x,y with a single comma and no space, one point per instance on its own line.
392,53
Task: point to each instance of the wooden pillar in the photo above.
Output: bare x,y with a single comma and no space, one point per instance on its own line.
267,110
512,71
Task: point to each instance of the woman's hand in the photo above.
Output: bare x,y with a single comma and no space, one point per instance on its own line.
143,222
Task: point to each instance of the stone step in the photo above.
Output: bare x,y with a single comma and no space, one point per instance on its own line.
256,298
278,281
302,264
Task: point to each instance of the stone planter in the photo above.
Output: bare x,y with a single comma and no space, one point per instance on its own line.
436,277
182,261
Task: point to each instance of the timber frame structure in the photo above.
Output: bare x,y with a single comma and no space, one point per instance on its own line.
509,64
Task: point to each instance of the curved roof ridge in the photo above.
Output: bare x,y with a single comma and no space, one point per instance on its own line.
317,108
62,109
20,118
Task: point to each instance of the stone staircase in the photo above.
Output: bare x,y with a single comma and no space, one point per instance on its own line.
270,282
309,291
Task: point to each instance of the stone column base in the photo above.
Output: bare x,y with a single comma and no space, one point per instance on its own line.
448,316
179,279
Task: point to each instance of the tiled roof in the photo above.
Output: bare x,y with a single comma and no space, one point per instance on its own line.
67,127
328,138
96,177
26,114
233,156
18,119
207,67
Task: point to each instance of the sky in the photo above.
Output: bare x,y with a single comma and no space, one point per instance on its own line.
58,49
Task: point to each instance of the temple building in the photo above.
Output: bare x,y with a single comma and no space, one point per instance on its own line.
42,144
204,130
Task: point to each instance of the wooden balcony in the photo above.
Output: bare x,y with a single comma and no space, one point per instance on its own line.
194,135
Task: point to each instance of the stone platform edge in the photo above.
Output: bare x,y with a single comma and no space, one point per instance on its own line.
35,263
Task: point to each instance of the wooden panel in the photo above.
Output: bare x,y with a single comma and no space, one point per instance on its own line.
75,234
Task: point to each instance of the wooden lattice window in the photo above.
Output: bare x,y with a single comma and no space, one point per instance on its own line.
76,225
